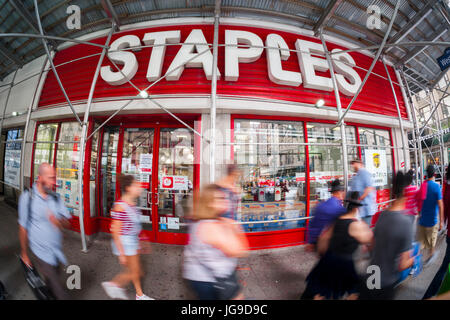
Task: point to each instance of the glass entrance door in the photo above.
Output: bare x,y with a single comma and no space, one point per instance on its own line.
175,183
137,160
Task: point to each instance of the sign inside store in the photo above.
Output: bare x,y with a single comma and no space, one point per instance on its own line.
310,57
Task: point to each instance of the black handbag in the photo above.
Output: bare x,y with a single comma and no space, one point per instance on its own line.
227,288
32,276
37,285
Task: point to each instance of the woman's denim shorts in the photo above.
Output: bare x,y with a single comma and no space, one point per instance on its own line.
130,245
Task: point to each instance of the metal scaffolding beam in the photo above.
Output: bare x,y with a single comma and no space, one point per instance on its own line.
326,14
212,145
405,146
410,55
339,110
413,23
375,59
52,65
83,139
28,18
111,13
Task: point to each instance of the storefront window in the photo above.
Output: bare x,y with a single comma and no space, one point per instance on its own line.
271,155
67,158
326,161
13,150
377,159
44,152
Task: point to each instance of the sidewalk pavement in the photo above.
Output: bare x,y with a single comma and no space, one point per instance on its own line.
265,274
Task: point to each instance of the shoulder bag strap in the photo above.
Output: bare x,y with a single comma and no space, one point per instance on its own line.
29,215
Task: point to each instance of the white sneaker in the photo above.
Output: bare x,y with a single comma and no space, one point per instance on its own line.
113,291
143,297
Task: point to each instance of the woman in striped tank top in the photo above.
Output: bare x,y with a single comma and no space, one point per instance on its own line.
125,230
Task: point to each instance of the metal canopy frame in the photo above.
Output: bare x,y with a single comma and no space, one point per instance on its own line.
386,45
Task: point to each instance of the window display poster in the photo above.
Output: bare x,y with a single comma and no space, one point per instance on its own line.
173,223
174,182
375,161
12,163
145,162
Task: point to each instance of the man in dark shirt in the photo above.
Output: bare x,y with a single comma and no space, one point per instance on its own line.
326,212
392,246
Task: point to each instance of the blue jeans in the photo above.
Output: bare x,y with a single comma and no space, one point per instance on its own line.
439,277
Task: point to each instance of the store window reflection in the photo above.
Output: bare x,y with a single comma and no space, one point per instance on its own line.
67,157
271,155
326,161
44,152
377,158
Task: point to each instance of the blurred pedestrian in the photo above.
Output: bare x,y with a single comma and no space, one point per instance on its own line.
125,230
431,196
411,207
439,277
326,212
392,244
215,244
362,183
228,184
335,274
42,216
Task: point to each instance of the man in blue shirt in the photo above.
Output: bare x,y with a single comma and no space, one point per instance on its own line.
40,225
326,212
428,220
363,183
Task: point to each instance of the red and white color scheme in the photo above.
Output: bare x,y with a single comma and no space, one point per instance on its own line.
279,78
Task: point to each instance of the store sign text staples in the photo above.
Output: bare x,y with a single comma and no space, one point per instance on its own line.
347,78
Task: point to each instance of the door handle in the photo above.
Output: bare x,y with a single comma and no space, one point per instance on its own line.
156,199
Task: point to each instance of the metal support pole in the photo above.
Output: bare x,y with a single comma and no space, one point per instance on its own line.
416,129
412,116
398,112
27,125
212,145
44,43
83,141
441,140
380,50
339,109
434,109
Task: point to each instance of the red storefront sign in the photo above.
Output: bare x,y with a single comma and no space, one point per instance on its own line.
253,78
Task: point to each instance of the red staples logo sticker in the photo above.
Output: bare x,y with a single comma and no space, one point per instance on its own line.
167,182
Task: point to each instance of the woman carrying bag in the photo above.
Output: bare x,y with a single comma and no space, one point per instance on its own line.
335,275
215,244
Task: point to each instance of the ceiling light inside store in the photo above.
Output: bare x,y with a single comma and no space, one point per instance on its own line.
143,94
320,103
15,113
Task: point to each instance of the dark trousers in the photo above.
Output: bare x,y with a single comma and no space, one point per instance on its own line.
439,277
52,278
